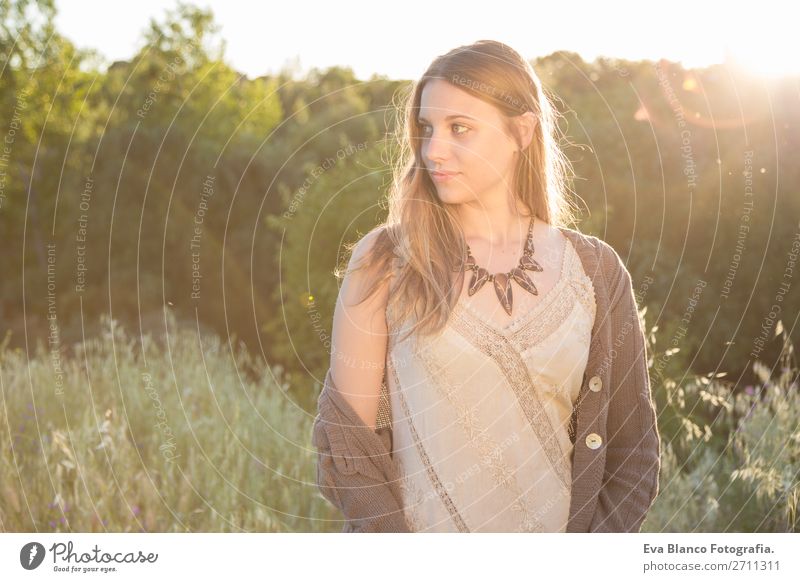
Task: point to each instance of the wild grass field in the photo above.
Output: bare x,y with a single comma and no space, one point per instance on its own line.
196,434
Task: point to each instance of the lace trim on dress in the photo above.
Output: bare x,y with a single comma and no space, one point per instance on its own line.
489,451
498,347
578,291
423,455
412,498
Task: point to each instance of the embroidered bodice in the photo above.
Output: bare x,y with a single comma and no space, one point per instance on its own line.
480,412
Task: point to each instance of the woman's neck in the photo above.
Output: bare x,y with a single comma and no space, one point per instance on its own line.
495,228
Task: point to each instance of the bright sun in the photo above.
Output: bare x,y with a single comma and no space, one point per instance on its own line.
764,43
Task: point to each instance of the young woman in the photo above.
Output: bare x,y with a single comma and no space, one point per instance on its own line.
488,369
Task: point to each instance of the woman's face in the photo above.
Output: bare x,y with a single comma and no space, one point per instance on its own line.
467,137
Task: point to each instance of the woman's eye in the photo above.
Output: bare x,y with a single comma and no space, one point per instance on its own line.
425,127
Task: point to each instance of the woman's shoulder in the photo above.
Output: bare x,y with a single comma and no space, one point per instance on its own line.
383,236
591,247
377,242
378,249
601,262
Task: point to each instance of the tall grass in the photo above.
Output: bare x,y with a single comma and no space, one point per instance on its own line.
192,433
211,441
730,456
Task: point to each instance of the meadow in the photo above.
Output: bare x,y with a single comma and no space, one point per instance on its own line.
194,433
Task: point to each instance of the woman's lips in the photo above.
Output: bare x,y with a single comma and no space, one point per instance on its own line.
443,176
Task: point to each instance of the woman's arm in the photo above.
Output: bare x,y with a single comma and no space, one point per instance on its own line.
630,482
355,471
359,338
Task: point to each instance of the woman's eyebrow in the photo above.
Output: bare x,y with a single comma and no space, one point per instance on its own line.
449,117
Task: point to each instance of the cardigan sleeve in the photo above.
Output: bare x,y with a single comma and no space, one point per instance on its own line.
351,468
630,480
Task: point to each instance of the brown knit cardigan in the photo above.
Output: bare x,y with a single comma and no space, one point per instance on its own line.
613,484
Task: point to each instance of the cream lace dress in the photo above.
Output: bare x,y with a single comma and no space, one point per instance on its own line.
480,413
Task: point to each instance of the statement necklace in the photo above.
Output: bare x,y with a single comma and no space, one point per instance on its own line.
502,281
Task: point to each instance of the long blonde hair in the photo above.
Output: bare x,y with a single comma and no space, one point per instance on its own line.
421,242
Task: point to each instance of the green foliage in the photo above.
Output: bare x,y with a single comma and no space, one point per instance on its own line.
182,432
187,432
122,155
149,131
340,203
740,472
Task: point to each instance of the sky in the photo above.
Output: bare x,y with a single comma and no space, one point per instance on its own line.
400,39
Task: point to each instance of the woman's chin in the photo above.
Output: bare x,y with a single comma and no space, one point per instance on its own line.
449,195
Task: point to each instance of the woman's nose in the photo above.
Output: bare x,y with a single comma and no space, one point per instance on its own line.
436,149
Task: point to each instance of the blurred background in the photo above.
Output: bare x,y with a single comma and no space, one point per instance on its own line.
178,182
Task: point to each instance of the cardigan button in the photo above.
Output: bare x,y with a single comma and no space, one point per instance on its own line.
593,440
595,384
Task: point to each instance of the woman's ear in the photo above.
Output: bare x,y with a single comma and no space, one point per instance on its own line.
525,126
